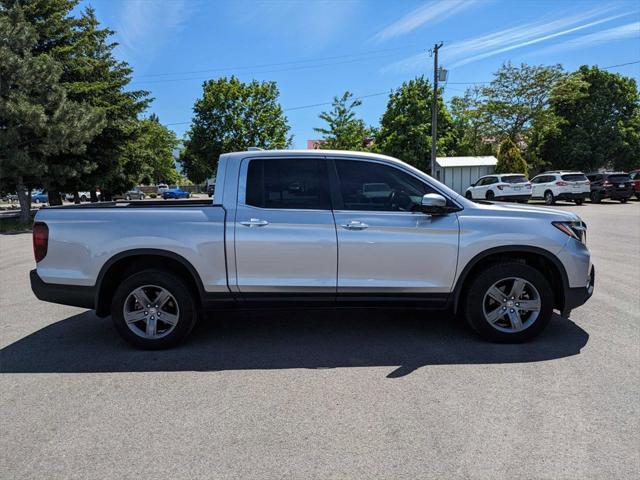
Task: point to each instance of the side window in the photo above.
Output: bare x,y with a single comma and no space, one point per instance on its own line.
481,182
536,180
377,187
491,180
288,183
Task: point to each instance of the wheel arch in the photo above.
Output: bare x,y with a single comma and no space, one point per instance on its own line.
130,261
543,260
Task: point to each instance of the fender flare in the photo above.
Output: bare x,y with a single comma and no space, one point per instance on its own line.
457,291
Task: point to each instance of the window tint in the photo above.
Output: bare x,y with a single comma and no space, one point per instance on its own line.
515,179
373,186
288,183
594,178
574,177
492,180
620,177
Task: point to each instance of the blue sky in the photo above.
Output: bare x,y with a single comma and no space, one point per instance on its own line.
316,50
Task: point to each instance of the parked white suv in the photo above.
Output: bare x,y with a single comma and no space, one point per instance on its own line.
508,186
561,185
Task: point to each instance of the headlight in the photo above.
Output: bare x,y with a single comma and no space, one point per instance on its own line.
577,230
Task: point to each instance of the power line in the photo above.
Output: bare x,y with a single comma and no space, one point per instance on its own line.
278,64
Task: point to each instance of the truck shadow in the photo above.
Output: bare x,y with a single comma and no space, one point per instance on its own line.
402,340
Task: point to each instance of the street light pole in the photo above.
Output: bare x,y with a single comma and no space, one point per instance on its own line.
434,109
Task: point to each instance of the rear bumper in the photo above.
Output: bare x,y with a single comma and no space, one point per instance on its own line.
574,297
74,295
615,194
572,196
519,197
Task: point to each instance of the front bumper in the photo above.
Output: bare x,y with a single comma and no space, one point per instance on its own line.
574,297
74,295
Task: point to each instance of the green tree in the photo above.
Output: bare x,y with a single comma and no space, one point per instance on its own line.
37,119
596,122
232,116
509,158
150,154
469,128
405,127
344,131
517,97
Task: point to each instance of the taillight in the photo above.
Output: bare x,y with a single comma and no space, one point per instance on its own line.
587,182
561,184
528,185
40,240
606,183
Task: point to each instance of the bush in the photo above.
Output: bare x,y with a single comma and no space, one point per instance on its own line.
509,159
153,195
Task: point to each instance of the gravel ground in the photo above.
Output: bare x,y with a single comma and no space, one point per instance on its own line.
326,394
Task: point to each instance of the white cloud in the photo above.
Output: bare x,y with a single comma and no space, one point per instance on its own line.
630,30
432,13
144,27
473,49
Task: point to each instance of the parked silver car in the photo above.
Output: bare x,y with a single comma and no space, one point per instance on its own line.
327,241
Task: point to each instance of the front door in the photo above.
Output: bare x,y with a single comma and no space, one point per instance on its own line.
285,237
385,247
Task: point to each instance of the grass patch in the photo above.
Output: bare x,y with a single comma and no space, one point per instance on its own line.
13,225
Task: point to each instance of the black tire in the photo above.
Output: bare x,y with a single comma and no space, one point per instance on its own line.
638,196
467,195
128,197
623,200
474,301
490,195
83,198
176,286
578,201
549,199
595,197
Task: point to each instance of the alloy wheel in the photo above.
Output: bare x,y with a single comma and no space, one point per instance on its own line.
511,305
151,312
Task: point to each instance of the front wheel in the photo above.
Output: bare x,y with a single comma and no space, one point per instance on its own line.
578,201
468,196
623,200
154,309
509,302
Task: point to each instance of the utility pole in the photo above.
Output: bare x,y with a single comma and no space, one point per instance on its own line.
434,109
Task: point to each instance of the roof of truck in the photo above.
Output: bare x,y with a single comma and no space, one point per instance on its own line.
306,153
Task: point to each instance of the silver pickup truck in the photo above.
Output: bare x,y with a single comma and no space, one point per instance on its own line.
312,228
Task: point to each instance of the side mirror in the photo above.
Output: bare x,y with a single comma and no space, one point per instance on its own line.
434,204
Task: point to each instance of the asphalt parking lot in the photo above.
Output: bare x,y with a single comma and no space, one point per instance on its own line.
327,394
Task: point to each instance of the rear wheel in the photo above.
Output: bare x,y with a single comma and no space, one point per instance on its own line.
578,201
595,197
549,199
83,198
154,309
509,302
490,195
623,200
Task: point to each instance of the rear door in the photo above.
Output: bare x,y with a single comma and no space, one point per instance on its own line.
385,247
285,235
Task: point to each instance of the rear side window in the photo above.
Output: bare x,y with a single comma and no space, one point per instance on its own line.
376,187
619,178
574,177
515,179
288,183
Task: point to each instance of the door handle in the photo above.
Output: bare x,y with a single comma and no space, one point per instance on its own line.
355,225
254,222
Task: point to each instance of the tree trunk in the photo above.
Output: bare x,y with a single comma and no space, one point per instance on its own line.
24,197
54,197
76,198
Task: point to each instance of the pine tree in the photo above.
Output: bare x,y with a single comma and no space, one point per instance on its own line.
37,119
510,159
344,131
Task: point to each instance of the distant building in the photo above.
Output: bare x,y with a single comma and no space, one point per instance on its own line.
458,173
